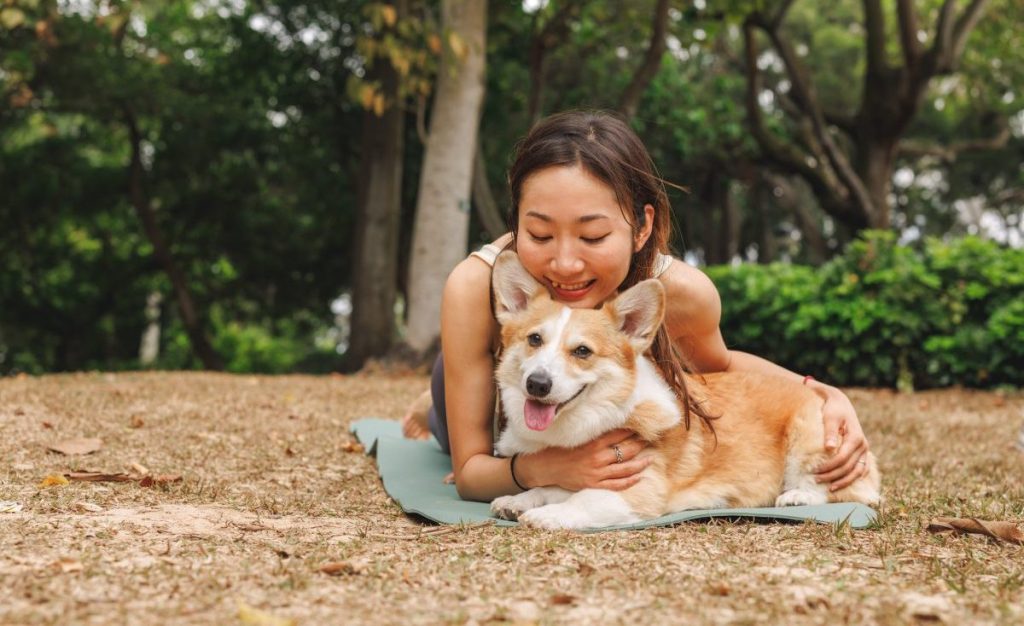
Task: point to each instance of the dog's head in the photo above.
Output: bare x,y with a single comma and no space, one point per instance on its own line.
569,370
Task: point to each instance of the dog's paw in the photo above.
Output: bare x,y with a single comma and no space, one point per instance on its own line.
507,507
801,497
552,517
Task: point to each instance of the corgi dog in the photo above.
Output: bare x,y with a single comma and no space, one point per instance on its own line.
567,375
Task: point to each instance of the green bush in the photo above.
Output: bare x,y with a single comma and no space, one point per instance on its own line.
882,314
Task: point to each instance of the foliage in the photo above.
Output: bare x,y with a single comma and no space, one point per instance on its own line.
884,314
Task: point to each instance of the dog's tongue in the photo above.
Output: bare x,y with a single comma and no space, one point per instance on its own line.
538,415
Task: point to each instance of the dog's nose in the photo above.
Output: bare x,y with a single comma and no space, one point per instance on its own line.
538,384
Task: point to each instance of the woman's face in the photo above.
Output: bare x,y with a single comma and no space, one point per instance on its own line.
573,236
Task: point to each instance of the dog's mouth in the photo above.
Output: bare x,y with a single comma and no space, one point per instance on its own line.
539,415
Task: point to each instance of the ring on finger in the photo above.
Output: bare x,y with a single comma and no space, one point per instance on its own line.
618,453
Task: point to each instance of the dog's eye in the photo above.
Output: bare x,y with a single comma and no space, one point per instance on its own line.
534,340
582,352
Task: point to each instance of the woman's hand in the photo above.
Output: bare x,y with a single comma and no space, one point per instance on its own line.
849,462
594,465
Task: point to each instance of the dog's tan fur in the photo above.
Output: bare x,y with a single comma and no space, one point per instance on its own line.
763,420
768,437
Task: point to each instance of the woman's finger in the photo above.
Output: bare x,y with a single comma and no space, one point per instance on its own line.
618,484
843,470
860,470
628,468
851,446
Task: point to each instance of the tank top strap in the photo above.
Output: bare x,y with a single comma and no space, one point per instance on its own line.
661,264
488,253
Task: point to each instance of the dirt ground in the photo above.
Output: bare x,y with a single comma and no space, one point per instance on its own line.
271,491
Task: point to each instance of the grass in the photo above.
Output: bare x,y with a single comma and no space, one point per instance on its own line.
271,492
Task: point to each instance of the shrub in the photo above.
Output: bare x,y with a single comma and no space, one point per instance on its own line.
885,314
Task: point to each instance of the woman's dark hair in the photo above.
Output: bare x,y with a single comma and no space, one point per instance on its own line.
607,148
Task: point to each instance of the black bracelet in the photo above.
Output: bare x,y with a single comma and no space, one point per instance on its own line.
512,469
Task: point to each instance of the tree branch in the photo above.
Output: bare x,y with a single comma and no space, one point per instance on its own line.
782,154
908,33
951,34
652,61
948,154
874,23
553,32
807,99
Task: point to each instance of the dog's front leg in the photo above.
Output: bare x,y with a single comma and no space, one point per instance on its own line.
590,508
511,507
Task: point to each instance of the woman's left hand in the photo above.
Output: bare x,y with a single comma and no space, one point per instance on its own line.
842,429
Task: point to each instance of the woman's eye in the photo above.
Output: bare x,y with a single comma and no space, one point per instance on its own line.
540,238
534,340
593,240
582,352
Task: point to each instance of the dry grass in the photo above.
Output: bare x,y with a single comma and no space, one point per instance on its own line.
270,494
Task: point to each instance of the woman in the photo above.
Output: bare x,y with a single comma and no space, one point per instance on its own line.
589,217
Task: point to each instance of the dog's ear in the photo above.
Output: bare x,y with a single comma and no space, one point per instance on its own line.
513,286
639,311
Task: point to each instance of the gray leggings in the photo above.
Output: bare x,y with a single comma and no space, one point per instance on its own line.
436,418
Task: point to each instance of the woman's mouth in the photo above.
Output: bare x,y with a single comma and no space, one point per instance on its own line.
571,291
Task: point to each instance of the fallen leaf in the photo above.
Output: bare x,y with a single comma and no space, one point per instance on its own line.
53,480
351,566
72,447
19,412
97,477
1005,531
720,588
562,599
137,422
289,452
159,479
926,608
139,469
67,565
255,617
87,507
7,506
585,569
48,425
352,446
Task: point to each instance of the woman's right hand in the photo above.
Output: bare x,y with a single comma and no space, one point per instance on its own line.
593,465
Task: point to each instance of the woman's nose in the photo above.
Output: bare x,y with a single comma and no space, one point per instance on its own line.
566,261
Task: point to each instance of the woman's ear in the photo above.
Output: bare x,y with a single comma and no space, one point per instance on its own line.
640,239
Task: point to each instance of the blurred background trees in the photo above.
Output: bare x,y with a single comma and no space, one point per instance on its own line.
240,181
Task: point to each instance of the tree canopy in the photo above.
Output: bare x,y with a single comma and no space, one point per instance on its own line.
216,153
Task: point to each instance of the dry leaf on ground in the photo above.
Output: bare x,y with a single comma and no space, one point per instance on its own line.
87,507
352,446
255,617
53,480
159,479
78,446
105,477
351,566
67,565
1005,531
10,507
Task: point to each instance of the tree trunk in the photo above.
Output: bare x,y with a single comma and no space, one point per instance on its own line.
875,168
378,221
491,217
161,251
443,204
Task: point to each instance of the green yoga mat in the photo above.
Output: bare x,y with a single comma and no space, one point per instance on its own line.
413,474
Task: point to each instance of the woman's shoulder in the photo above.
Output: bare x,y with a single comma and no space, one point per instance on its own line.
691,297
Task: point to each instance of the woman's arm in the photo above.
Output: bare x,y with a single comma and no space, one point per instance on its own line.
693,318
466,331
